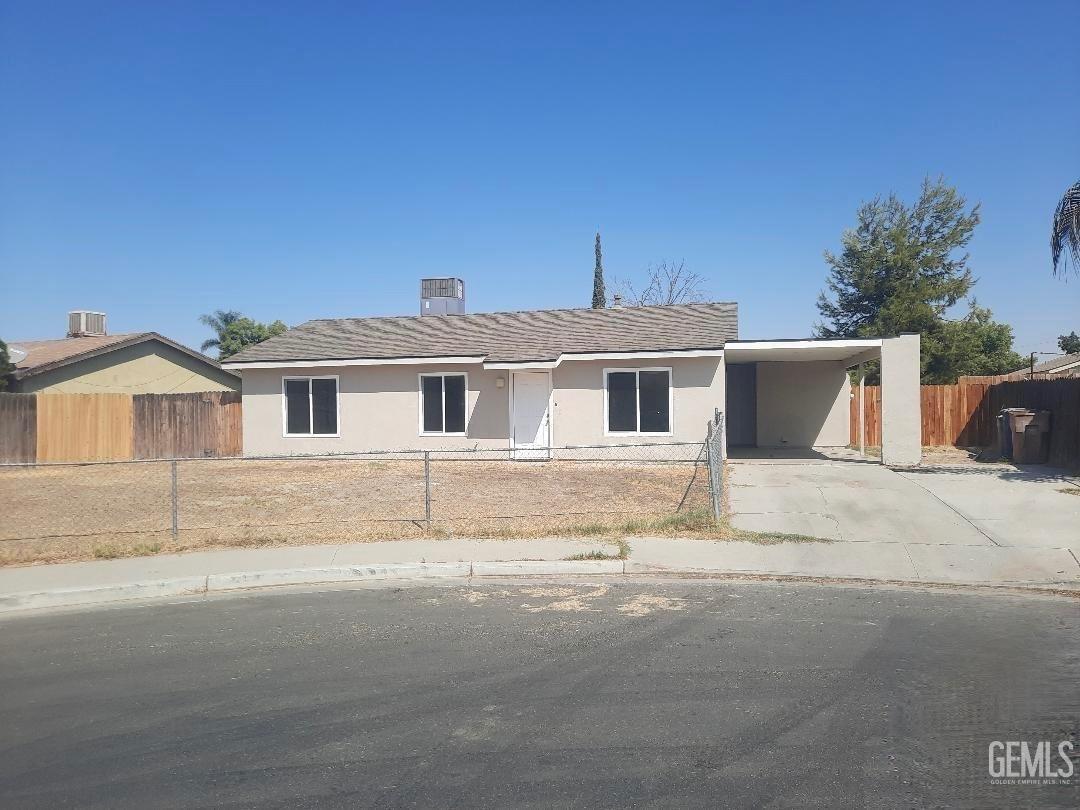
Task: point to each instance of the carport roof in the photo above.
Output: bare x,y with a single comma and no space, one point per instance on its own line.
852,350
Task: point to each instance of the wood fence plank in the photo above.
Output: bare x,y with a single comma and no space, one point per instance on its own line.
84,427
199,425
18,428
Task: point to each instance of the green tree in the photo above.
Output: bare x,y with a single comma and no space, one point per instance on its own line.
6,366
244,332
599,295
1065,232
219,321
1070,343
900,270
975,344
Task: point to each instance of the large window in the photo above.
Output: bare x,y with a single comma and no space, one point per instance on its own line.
638,401
443,399
311,406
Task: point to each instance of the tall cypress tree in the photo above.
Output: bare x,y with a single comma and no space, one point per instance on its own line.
599,295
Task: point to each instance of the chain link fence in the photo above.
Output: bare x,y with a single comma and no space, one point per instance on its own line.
79,511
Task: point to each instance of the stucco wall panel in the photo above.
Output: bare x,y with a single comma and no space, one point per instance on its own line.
379,406
803,404
698,385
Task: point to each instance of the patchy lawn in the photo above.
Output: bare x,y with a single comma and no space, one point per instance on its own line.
56,513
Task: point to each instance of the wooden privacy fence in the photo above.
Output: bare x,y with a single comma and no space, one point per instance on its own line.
119,427
965,414
83,427
187,425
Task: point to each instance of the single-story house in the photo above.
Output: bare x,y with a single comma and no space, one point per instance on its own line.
526,381
90,361
1056,368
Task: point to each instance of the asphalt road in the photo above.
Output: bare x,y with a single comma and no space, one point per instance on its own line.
644,694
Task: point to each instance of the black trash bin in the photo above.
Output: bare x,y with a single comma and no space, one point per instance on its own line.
1006,427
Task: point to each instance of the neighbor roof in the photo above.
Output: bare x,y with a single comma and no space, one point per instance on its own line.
505,337
46,355
1052,365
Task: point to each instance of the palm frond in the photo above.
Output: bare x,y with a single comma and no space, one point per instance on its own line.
1065,235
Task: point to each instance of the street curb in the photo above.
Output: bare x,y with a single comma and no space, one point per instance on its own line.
304,576
245,580
107,593
253,580
542,567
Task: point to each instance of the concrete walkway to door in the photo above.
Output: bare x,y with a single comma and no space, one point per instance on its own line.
936,512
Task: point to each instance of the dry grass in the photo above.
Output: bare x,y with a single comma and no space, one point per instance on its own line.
81,512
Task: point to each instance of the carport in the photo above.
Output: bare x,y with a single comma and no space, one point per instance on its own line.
796,394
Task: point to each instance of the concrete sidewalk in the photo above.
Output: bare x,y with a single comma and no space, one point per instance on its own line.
234,569
907,562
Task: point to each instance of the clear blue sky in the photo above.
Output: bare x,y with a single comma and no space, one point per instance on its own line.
304,160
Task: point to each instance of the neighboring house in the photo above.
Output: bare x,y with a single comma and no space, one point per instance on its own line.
1067,365
524,381
89,361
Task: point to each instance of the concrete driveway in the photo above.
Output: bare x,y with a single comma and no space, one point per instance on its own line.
942,516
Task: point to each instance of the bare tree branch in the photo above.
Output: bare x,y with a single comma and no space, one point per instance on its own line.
666,284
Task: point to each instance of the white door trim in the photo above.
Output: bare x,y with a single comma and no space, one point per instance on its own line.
550,413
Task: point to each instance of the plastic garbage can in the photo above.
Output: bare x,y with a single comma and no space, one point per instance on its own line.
1035,445
1006,430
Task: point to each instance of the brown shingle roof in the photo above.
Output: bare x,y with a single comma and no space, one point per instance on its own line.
42,355
47,352
540,335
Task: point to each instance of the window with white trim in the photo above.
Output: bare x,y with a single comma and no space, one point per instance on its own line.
443,402
637,401
311,406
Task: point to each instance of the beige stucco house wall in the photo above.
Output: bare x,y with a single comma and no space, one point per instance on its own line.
697,390
803,404
149,367
379,406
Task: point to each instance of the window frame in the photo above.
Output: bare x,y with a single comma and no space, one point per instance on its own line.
636,371
311,407
420,403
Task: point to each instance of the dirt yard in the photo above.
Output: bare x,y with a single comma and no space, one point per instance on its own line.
55,513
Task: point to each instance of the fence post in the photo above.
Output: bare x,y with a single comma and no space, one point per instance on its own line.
427,487
721,425
862,410
710,463
175,505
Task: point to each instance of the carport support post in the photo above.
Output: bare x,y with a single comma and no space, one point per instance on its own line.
901,401
862,409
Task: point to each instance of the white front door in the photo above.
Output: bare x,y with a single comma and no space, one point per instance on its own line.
531,416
